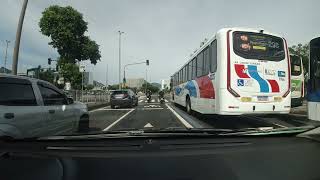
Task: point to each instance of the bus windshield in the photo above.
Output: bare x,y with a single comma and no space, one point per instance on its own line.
296,69
260,46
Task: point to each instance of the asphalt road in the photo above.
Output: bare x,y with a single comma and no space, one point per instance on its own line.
167,115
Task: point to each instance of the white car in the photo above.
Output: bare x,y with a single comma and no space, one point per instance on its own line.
34,108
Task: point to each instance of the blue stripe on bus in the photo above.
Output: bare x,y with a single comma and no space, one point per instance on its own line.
192,89
313,95
178,90
253,71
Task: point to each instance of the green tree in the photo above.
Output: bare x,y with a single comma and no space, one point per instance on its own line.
149,87
113,87
70,72
47,75
89,87
303,52
66,28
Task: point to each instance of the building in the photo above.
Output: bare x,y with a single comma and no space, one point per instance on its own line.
135,83
5,70
87,78
165,83
98,86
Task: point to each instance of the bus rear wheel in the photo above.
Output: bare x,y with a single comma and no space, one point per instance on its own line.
188,106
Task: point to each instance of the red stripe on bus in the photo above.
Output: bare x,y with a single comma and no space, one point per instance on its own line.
240,70
235,94
274,85
206,88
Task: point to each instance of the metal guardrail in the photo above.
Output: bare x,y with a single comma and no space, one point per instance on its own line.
89,96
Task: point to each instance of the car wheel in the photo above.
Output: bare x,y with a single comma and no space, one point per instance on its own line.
83,126
112,107
188,106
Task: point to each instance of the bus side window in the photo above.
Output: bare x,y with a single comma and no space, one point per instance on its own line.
213,55
200,64
186,73
317,69
206,62
194,68
189,70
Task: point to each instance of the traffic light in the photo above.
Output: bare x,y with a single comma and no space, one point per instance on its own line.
49,61
147,62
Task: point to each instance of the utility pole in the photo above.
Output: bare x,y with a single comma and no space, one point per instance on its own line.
5,57
120,32
146,80
18,37
107,78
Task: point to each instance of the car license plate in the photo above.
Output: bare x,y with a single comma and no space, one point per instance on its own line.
263,98
118,96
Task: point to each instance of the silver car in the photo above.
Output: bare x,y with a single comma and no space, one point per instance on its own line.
34,108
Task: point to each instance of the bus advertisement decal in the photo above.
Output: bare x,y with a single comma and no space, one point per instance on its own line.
241,71
281,73
206,88
253,71
274,85
191,88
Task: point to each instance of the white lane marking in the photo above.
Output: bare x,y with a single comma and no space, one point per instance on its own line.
166,100
100,109
115,122
152,100
183,121
147,106
152,108
149,125
141,100
152,103
116,109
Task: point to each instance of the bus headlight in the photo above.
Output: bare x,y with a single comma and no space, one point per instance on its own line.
246,99
277,99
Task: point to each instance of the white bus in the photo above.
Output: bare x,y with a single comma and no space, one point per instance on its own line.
313,94
237,71
297,81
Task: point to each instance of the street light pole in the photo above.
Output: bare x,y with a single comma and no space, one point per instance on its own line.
136,63
107,78
5,57
120,32
18,37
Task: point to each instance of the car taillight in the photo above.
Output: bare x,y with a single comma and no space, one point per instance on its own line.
125,96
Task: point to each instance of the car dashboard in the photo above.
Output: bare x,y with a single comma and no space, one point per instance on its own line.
163,158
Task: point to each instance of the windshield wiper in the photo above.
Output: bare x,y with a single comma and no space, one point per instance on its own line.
177,131
272,131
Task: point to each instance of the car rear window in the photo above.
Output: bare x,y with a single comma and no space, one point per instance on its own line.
14,94
119,92
296,68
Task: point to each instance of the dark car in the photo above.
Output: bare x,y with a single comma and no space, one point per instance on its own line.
123,98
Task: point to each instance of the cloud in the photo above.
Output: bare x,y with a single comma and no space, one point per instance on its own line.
165,32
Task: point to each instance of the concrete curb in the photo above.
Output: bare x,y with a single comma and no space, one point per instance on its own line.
97,106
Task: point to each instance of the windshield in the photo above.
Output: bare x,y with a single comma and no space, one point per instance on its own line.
296,66
258,46
79,68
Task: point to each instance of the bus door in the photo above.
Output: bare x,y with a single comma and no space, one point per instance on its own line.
314,80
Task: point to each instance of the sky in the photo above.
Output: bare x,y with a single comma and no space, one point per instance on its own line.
164,31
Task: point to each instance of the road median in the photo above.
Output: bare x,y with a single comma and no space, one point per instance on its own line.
92,106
